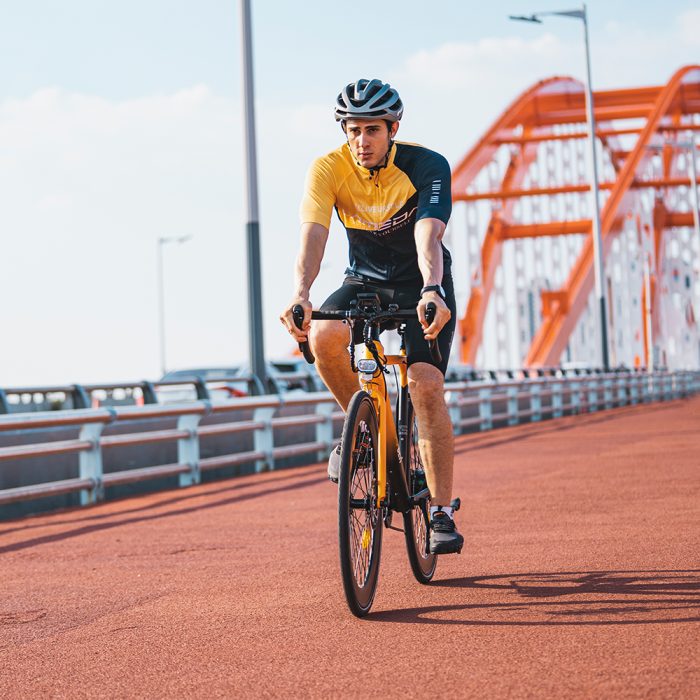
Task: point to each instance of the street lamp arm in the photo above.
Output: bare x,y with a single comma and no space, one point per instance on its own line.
525,18
576,14
535,17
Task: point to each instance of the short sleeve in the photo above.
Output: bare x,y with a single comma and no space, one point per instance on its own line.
434,182
319,194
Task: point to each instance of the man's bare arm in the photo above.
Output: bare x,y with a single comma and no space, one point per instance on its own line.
428,233
311,249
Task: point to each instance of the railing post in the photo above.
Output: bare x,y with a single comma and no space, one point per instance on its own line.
535,403
452,401
264,439
90,463
557,402
324,431
485,409
592,395
687,385
148,392
633,380
80,397
188,449
621,391
608,394
512,394
575,397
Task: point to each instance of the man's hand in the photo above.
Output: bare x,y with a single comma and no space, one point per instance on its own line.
442,315
287,318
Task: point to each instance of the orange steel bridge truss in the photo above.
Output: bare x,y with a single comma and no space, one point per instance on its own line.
527,182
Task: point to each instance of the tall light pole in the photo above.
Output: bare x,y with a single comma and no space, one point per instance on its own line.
598,266
162,242
256,349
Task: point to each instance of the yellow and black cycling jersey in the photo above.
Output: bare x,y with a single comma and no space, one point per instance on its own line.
379,207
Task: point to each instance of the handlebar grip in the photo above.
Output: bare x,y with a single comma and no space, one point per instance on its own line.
435,354
298,314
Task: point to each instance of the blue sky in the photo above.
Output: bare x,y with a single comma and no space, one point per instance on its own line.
121,122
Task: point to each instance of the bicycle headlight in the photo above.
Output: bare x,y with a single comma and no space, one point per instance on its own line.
367,366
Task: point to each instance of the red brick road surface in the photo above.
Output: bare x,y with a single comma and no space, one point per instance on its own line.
580,578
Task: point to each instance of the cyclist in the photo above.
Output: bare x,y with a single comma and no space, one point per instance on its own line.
394,200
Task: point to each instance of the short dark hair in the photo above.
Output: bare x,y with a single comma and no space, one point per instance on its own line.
388,122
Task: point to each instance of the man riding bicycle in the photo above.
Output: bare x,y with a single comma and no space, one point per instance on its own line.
394,201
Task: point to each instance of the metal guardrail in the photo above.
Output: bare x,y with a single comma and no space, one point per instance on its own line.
77,396
487,405
205,387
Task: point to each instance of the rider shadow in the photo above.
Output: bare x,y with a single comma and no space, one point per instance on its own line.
564,598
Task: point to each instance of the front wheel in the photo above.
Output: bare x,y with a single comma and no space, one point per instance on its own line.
359,519
415,522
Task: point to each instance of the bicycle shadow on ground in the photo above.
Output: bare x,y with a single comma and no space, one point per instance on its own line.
563,599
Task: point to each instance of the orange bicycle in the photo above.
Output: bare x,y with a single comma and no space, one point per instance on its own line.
374,482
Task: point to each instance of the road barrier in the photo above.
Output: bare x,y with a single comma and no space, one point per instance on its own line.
480,405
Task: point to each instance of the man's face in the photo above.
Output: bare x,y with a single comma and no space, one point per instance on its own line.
369,140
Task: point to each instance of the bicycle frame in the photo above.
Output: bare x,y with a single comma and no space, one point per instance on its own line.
375,385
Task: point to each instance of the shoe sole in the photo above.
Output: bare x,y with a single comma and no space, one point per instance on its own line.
446,548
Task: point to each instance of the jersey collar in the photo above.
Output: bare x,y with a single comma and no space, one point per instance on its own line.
366,171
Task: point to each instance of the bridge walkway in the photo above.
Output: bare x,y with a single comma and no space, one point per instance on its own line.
580,577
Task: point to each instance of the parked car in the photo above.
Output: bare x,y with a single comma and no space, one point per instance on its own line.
221,383
285,375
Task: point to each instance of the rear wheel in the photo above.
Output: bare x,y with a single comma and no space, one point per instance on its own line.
415,522
359,519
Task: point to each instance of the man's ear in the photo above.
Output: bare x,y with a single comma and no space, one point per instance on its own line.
394,129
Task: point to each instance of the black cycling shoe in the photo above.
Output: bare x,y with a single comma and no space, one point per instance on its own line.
444,538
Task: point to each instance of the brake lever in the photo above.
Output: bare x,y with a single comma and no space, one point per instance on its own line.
298,314
430,312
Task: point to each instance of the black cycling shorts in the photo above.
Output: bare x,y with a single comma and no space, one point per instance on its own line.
406,297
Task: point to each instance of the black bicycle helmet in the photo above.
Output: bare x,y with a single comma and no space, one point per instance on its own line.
368,99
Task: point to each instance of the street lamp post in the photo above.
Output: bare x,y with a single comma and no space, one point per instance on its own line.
255,311
598,265
162,242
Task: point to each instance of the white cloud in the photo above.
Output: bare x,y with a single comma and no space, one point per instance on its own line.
689,27
87,186
461,65
454,91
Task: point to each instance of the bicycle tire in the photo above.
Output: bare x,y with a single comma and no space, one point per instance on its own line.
415,522
360,522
